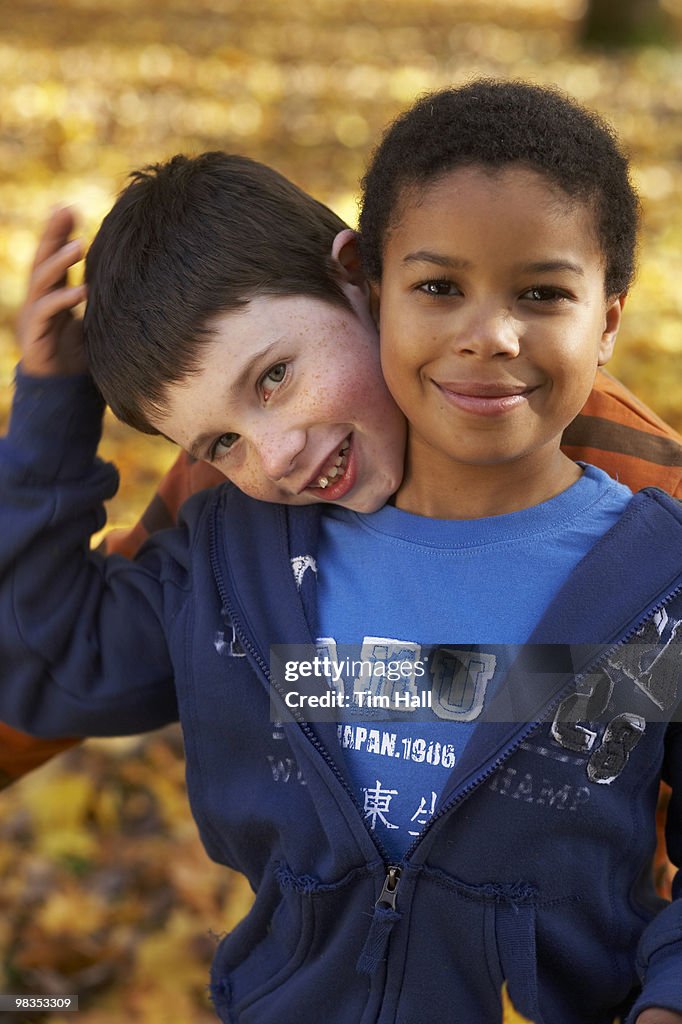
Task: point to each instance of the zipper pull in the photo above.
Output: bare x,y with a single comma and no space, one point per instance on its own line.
389,893
384,918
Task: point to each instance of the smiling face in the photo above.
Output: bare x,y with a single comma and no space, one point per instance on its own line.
290,404
493,321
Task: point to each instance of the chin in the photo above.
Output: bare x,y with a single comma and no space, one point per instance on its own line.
372,506
373,502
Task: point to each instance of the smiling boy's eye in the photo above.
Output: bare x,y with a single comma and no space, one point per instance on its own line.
222,445
544,293
272,378
439,286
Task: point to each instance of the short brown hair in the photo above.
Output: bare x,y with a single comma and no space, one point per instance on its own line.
185,241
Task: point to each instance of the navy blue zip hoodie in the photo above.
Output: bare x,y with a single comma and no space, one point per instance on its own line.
535,866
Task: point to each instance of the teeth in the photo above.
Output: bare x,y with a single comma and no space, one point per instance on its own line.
335,468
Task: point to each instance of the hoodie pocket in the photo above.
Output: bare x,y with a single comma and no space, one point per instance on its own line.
292,952
492,931
263,950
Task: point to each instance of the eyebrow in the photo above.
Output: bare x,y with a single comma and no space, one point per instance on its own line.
454,263
552,266
426,256
236,387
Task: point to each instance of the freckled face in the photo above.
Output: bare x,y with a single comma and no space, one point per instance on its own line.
493,318
290,404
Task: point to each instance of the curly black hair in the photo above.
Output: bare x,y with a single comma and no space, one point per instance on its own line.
495,123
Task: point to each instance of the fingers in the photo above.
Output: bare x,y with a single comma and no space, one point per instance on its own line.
49,337
42,326
50,272
60,224
42,311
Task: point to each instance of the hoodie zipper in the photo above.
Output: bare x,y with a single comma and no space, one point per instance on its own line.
389,893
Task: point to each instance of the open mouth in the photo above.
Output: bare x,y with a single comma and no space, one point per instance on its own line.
336,467
334,478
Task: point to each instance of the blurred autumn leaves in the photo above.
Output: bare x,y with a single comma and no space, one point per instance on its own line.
104,888
105,891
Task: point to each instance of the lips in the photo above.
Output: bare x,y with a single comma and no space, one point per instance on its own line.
487,389
486,398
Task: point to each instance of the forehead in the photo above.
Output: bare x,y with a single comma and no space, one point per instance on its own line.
263,314
508,197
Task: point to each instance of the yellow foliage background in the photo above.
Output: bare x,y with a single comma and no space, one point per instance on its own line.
104,888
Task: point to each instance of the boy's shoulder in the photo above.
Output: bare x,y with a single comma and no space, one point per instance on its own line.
620,434
632,571
650,523
655,502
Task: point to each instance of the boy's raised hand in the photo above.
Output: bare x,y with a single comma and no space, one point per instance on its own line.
50,336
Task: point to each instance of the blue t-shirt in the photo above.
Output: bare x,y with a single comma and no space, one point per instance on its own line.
392,583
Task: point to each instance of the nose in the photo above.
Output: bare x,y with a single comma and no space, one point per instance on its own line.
278,451
487,333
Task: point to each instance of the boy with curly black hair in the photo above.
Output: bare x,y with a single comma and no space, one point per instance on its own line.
498,232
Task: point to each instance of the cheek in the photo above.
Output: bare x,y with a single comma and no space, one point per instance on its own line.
404,350
352,392
399,373
575,365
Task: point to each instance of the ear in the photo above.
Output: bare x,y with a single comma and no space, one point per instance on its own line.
613,314
346,254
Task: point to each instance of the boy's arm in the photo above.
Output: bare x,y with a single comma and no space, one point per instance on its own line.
82,643
47,315
618,433
20,753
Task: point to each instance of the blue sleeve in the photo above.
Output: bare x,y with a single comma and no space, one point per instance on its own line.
659,960
82,638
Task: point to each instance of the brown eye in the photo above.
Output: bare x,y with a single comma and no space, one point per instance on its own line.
543,293
439,286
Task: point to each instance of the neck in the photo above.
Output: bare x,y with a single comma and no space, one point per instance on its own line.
454,490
